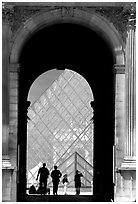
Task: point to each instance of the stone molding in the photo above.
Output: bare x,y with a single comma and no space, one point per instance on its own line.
93,21
119,15
119,69
14,67
129,163
13,101
67,11
6,164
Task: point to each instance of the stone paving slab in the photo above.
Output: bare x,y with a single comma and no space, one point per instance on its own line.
62,198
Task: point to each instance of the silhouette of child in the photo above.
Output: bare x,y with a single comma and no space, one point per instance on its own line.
65,182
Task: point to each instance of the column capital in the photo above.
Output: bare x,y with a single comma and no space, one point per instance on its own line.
14,67
119,69
132,16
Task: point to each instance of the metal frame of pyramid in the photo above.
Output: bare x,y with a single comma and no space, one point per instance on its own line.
61,124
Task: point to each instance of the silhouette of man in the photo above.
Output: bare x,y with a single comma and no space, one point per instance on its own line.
44,173
77,180
56,174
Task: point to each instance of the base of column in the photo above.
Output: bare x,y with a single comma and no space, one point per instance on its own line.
129,163
125,189
7,171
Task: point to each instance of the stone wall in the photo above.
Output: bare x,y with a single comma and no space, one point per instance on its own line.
18,15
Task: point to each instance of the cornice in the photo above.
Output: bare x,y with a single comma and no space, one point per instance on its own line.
121,15
66,4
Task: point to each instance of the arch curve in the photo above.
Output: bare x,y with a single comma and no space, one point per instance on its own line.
94,21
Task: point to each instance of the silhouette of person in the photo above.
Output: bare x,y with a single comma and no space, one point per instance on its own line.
65,182
44,173
77,180
55,174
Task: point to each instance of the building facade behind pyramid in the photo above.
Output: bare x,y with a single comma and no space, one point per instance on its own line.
60,129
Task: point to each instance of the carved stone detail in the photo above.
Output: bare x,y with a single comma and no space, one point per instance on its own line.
21,15
118,15
121,16
132,16
7,13
67,11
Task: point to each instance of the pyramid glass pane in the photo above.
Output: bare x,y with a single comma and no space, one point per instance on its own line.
61,127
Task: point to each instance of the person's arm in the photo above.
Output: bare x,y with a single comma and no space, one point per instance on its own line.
48,173
60,174
38,174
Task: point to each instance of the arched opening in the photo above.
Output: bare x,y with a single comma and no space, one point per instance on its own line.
60,129
58,46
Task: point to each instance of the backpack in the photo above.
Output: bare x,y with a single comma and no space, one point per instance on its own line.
32,190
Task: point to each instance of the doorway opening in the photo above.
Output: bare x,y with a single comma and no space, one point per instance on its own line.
58,46
60,131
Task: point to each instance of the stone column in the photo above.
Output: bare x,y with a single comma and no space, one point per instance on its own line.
7,168
130,154
13,124
119,71
119,141
126,174
5,93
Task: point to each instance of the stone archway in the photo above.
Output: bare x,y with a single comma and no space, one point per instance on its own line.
93,21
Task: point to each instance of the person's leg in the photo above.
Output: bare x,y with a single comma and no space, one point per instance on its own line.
41,187
78,190
54,190
45,187
65,188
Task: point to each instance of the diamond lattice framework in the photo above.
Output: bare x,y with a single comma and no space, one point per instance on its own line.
60,123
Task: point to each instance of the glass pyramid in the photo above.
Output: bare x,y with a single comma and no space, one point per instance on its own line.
61,126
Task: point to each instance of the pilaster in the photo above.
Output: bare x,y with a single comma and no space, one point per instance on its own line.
130,153
6,34
119,78
125,173
119,75
7,165
13,123
13,108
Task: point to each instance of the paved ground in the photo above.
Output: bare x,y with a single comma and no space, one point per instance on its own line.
62,198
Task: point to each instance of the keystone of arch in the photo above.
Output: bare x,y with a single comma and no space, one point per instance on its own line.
94,21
